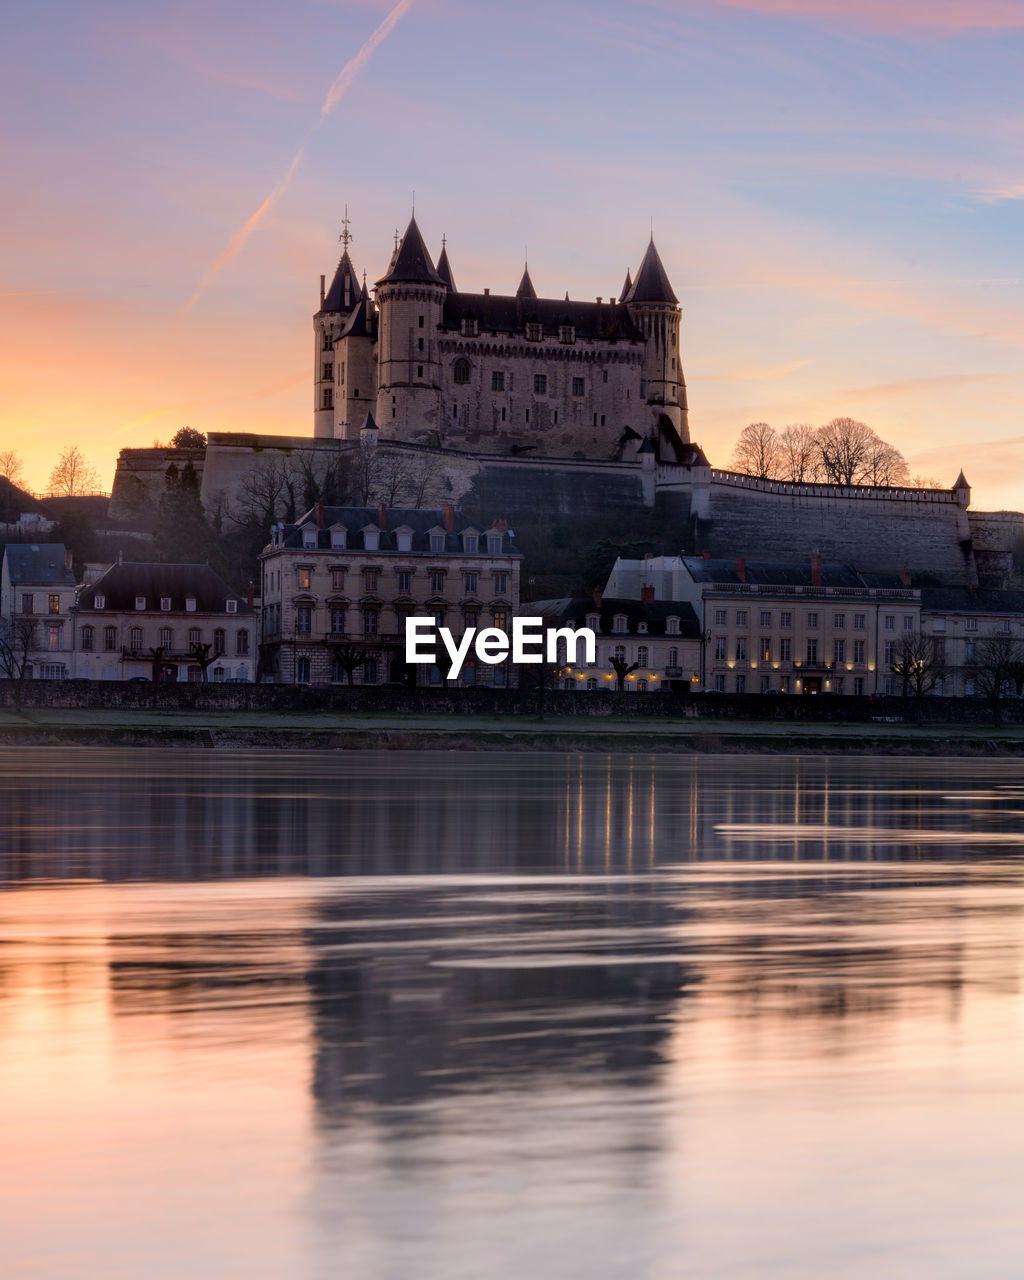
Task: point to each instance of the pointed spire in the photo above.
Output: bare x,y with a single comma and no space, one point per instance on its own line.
412,261
368,423
359,324
344,291
444,267
627,285
651,283
567,295
961,482
526,289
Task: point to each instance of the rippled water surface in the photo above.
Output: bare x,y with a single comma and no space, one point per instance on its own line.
445,1016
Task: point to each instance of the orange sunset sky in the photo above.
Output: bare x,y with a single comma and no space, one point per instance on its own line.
836,188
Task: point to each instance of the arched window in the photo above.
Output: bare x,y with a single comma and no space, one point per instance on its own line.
302,671
460,371
641,655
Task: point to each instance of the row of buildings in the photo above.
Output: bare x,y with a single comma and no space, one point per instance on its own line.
335,588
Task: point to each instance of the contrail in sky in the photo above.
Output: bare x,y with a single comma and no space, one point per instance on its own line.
337,91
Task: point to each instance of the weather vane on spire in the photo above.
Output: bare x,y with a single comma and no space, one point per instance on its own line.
346,236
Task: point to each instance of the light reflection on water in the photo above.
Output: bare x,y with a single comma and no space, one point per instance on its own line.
445,1015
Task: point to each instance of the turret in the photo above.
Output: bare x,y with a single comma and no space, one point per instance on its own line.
962,491
336,305
655,310
410,299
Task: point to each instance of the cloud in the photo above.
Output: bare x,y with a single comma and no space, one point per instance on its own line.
945,17
342,83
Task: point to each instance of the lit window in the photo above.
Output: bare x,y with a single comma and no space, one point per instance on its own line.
303,577
53,604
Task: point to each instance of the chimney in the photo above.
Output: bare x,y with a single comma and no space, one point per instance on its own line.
67,558
815,571
487,293
323,294
251,597
905,577
120,556
319,513
597,596
448,516
741,569
599,302
706,555
382,515
648,555
647,595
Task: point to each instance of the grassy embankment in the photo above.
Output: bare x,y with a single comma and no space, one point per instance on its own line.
344,730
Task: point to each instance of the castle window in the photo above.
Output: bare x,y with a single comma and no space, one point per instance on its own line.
1004,624
497,381
619,623
566,333
741,684
766,618
419,344
577,386
838,651
785,619
469,326
812,653
720,618
421,322
594,622
741,617
812,619
890,622
858,650
302,671
533,332
338,619
604,375
766,649
328,398
721,648
371,622
328,373
540,384
328,342
419,371
786,650
839,621
908,624
341,373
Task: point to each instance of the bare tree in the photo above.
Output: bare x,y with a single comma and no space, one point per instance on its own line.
203,656
925,482
884,465
11,466
350,658
72,476
917,663
799,457
995,664
843,447
622,670
16,642
757,451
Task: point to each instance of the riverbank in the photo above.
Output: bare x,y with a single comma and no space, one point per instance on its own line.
335,730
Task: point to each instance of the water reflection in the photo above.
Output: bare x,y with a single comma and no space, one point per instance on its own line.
492,1016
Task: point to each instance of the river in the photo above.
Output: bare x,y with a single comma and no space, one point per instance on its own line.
444,1015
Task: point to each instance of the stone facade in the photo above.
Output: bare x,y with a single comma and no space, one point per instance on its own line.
339,584
37,597
959,622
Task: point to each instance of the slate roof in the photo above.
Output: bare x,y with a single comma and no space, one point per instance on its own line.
362,323
787,574
335,299
498,313
627,284
444,269
38,563
412,262
655,613
651,283
422,521
526,289
123,582
971,600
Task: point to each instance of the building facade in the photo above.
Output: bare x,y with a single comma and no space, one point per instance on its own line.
959,622
37,596
339,584
656,641
503,371
769,627
169,622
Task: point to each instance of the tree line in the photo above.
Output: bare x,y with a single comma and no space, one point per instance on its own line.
842,451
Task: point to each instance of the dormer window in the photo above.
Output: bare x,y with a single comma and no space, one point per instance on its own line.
534,331
567,333
309,536
470,543
594,622
371,539
338,539
99,602
470,327
437,542
190,604
230,606
494,544
140,602
619,623
404,539
165,604
672,626
641,628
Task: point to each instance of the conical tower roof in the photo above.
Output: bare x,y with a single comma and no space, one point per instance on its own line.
345,288
359,324
651,283
444,270
412,262
627,285
526,289
961,482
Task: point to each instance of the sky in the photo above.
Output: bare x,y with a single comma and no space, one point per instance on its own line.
835,186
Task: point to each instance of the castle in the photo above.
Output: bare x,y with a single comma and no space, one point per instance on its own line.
519,373
571,420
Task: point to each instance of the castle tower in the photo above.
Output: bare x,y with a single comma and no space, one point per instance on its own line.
355,369
336,305
655,311
410,299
